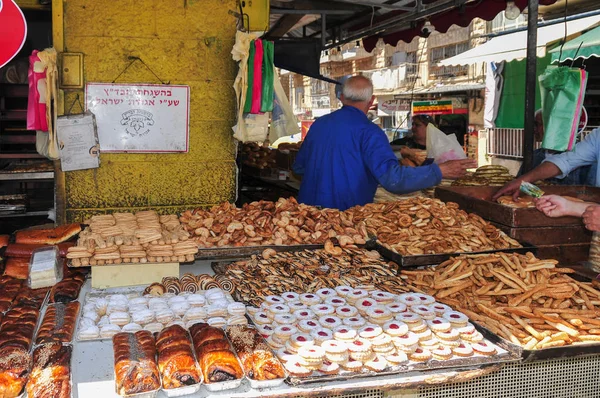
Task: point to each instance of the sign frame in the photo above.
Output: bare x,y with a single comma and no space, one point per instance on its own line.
441,107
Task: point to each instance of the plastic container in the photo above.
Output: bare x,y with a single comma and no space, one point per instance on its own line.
45,270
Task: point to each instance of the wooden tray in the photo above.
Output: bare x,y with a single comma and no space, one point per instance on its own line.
559,235
479,200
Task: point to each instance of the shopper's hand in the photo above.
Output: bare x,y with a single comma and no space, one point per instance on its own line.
510,188
453,169
554,206
591,218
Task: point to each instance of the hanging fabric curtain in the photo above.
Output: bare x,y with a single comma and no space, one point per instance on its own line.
248,103
268,70
257,81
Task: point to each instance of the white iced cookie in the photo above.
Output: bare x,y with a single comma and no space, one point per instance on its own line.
103,321
142,317
138,308
217,322
236,309
119,318
155,302
86,322
180,308
154,327
195,313
109,330
196,300
93,315
214,294
164,315
216,311
89,332
112,308
138,300
237,320
132,327
176,299
89,307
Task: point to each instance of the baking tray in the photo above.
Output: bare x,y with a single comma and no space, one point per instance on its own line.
569,351
559,235
221,253
435,259
504,355
479,200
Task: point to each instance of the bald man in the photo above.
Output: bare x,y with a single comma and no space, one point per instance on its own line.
345,157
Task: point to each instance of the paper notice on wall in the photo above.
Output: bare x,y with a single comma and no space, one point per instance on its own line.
78,142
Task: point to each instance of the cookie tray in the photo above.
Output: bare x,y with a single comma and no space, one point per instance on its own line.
568,351
220,253
435,259
503,355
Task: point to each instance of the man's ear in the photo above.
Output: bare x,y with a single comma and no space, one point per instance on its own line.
371,101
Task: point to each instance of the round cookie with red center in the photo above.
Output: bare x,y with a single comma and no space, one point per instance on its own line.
285,356
304,314
308,325
365,304
321,334
290,296
301,339
467,330
274,343
380,313
325,293
450,343
430,344
329,368
278,309
296,305
346,311
442,353
261,318
420,355
439,308
344,333
265,330
409,318
356,295
395,328
383,297
409,299
359,345
370,331
334,347
355,322
311,353
309,299
378,364
483,348
352,366
285,319
343,291
450,335
407,343
284,332
423,311
418,327
424,335
463,350
322,309
425,299
396,308
457,319
335,301
473,337
396,359
289,347
274,300
438,325
330,321
296,370
252,310
362,356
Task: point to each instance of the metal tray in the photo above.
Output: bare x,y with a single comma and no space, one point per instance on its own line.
220,253
434,259
569,351
479,200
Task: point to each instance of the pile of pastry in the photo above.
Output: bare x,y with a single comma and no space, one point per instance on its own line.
349,329
190,283
274,273
428,226
105,315
132,238
489,175
262,223
258,156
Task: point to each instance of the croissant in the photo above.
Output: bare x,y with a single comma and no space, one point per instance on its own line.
135,364
59,323
50,376
219,366
205,334
175,358
15,364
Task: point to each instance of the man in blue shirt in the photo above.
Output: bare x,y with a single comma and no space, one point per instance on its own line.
345,157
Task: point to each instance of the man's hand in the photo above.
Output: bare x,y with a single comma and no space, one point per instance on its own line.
510,188
591,218
453,169
554,206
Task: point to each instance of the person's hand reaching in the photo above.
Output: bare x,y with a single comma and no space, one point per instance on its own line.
453,169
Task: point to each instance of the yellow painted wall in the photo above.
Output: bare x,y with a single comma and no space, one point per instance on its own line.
184,42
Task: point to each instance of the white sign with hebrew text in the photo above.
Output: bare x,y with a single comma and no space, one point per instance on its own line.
140,117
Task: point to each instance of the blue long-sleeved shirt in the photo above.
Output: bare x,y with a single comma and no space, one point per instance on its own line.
345,157
586,152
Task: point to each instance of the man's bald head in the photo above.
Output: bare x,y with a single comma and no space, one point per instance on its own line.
358,92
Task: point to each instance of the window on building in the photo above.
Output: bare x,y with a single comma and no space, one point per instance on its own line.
319,87
501,23
439,53
299,99
411,64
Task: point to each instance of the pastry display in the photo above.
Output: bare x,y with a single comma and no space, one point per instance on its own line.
418,226
58,323
51,373
528,301
68,288
217,361
255,155
367,331
103,315
132,238
258,361
48,236
190,283
176,361
18,326
309,270
284,222
15,365
136,370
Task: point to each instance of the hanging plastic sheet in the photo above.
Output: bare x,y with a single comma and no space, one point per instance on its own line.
248,103
257,81
562,91
240,53
268,70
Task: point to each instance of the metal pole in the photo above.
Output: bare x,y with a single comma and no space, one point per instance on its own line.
530,87
323,30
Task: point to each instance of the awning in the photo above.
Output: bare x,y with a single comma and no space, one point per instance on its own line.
583,47
514,45
440,89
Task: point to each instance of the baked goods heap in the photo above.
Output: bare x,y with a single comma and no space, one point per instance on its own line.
262,223
308,270
489,175
132,238
258,361
51,373
354,329
58,323
136,370
255,155
190,283
531,302
218,362
104,315
176,362
428,226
